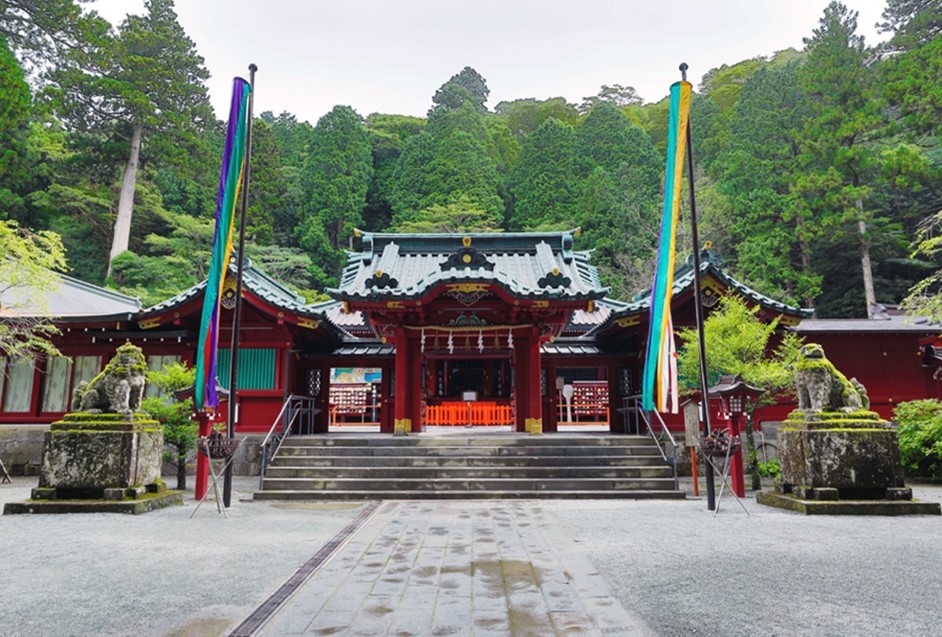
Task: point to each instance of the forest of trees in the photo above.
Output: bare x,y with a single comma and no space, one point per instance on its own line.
818,172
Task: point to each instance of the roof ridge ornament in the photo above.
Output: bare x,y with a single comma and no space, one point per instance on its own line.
380,280
554,279
466,258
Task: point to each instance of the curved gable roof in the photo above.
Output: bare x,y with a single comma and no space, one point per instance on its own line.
527,265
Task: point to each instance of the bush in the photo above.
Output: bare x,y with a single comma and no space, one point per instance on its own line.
771,469
179,431
920,437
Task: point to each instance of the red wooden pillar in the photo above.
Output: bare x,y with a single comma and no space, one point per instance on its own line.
521,376
415,386
402,422
737,477
202,462
534,376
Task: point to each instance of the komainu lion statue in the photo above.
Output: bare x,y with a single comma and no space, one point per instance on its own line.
821,387
118,388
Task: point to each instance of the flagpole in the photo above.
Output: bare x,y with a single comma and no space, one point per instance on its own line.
237,312
698,310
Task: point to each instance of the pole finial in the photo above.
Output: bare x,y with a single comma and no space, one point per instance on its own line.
252,67
683,71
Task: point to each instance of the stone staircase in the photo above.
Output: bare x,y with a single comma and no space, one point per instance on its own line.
475,466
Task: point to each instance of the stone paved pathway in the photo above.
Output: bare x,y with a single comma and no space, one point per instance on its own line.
478,568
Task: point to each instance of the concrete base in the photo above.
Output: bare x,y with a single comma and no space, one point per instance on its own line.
134,507
847,507
93,452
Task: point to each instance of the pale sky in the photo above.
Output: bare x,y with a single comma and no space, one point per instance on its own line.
390,56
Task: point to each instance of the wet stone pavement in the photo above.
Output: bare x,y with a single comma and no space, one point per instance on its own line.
455,568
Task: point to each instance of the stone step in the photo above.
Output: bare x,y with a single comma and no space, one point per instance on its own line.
471,440
496,450
469,486
345,495
465,473
500,465
468,461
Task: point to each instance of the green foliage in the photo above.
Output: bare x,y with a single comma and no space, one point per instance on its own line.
151,278
914,23
920,437
44,33
738,342
335,179
910,84
460,216
27,275
466,86
545,184
770,469
143,82
450,161
388,135
290,266
15,169
620,197
174,416
616,94
524,116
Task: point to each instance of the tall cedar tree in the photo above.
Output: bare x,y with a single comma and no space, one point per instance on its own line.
450,161
620,206
545,183
335,180
44,33
466,86
147,79
838,159
15,168
772,233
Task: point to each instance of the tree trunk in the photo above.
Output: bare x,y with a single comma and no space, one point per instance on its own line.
752,457
869,293
804,253
181,471
122,225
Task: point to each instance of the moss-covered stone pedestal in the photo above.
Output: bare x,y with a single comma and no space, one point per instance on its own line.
838,463
100,462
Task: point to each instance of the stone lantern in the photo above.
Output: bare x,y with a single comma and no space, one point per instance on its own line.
729,398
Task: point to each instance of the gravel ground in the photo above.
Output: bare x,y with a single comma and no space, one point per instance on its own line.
681,569
774,573
160,573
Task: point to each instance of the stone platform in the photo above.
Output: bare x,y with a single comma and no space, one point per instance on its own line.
150,502
847,507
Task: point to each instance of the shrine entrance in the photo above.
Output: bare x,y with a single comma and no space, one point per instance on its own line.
467,316
469,392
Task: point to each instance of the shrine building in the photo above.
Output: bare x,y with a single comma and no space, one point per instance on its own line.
511,330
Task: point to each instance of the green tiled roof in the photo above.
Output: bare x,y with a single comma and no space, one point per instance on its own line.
527,265
683,280
256,282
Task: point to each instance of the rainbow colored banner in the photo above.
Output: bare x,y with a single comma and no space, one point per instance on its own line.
659,383
230,183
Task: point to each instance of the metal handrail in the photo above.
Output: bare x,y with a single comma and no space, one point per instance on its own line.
634,406
296,407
